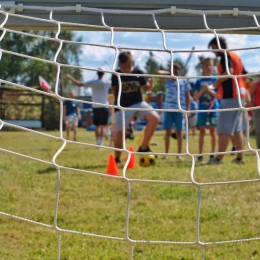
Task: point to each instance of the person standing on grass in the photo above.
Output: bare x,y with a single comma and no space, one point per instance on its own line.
255,96
229,122
171,102
71,115
100,89
131,97
207,99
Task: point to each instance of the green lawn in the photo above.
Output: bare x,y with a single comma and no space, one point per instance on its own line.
92,206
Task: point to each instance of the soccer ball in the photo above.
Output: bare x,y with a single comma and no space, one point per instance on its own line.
147,160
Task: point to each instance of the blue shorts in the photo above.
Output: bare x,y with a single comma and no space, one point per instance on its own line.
171,118
229,121
202,120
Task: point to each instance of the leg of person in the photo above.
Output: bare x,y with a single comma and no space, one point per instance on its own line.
223,141
167,139
103,121
179,127
202,122
152,119
118,144
228,123
68,126
179,140
233,144
68,131
75,130
167,126
119,130
201,141
256,116
192,123
238,137
102,134
75,127
213,135
96,124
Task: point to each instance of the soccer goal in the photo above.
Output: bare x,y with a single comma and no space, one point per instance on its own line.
58,197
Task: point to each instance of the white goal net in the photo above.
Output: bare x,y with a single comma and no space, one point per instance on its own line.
167,211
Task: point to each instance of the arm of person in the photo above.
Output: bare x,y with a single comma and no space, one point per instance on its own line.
188,99
198,94
76,82
78,112
248,102
221,80
149,85
252,91
64,112
113,90
163,72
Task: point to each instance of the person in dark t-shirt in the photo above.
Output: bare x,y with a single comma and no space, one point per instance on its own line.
128,89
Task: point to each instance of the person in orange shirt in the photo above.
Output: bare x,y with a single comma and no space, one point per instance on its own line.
229,122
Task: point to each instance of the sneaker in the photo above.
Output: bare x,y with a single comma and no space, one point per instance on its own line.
179,158
214,160
236,161
147,150
211,160
233,150
173,135
200,158
117,161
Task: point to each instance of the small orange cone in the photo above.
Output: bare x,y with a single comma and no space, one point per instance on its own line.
131,164
111,166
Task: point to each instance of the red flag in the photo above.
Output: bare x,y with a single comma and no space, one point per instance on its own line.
44,84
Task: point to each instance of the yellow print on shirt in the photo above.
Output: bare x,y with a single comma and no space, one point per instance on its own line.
130,86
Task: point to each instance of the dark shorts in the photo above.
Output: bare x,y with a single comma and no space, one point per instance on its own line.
100,116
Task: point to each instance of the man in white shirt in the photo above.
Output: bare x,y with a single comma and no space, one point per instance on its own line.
100,89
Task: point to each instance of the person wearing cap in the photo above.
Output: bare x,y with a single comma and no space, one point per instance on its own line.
100,88
171,102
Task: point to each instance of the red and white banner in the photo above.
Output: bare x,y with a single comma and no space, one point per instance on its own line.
44,84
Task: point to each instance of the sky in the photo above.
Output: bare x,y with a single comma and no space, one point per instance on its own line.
94,56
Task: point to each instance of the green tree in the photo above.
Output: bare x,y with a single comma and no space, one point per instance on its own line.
152,67
25,71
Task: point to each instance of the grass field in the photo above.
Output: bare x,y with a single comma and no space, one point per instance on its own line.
96,204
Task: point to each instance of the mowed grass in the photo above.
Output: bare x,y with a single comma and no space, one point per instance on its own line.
92,202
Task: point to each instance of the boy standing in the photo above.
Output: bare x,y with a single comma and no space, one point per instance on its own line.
207,100
171,102
131,97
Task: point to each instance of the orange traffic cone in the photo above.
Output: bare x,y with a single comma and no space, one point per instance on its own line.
131,164
111,166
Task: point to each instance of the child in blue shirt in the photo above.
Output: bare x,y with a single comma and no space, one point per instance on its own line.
207,99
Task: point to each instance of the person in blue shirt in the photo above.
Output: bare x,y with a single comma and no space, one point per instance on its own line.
71,115
207,99
171,102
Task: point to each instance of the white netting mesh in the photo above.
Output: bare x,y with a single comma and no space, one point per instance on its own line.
194,182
